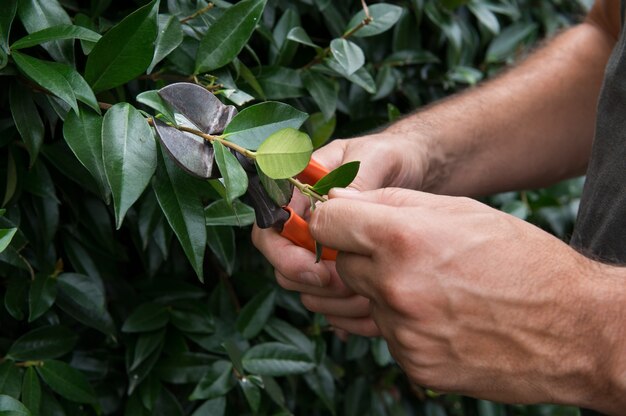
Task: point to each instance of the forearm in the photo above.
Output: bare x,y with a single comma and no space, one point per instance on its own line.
530,127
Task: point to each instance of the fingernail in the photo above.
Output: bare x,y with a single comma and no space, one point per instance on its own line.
343,192
311,278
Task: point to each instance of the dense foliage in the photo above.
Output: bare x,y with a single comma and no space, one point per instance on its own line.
130,287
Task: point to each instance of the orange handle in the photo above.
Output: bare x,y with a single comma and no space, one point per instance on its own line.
312,173
297,231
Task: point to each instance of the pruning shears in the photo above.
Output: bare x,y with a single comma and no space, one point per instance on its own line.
196,156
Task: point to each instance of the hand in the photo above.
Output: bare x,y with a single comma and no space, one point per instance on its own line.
385,161
471,300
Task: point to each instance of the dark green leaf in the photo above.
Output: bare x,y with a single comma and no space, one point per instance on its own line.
298,34
83,134
167,405
485,16
82,297
6,235
338,178
361,77
37,15
6,19
227,36
221,241
11,407
185,368
39,182
43,343
279,190
214,407
43,292
15,297
322,383
284,154
255,314
12,176
176,192
147,317
82,90
31,391
125,51
276,359
47,77
56,33
252,393
285,333
218,381
67,381
129,153
348,54
192,317
221,212
27,119
505,45
320,129
170,35
145,346
153,100
279,83
323,90
235,178
384,17
253,125
10,380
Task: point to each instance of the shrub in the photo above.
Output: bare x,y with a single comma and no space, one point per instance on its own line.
133,292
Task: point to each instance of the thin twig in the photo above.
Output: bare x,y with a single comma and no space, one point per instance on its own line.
198,13
104,106
307,190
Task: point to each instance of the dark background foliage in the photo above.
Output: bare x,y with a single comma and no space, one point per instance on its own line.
96,319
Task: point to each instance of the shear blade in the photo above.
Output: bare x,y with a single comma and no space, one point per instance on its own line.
192,155
199,106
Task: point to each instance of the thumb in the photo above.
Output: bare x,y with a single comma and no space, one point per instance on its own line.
395,197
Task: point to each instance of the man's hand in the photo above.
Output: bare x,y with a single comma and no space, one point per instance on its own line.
475,301
386,160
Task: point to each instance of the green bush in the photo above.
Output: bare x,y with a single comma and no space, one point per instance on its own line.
100,257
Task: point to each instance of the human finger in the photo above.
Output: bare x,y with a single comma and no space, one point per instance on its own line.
360,326
335,287
351,307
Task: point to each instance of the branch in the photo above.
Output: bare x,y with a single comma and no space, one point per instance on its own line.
198,13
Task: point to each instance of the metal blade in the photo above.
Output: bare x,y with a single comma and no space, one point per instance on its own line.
192,154
199,106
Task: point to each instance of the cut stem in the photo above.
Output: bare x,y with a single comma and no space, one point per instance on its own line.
307,190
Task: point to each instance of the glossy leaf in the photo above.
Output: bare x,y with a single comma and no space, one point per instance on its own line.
298,34
11,407
47,77
83,134
15,296
384,17
284,154
252,393
184,368
360,77
176,192
146,344
55,33
67,381
170,35
227,36
218,381
221,241
504,46
129,153
280,83
153,100
235,178
276,359
27,119
485,16
6,20
323,90
236,214
31,391
320,129
7,234
254,314
214,407
43,343
43,292
349,55
81,89
256,123
125,51
338,178
286,333
10,380
279,190
147,317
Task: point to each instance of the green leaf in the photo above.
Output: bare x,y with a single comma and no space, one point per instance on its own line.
10,380
81,89
11,407
284,154
505,45
55,33
254,315
227,36
31,391
15,297
323,90
384,17
218,381
214,407
361,77
125,51
83,134
46,76
176,192
184,368
7,234
221,212
129,153
43,292
253,125
279,190
153,100
82,297
338,178
276,359
322,383
348,54
320,129
287,334
221,241
43,343
299,35
192,318
146,344
485,16
252,393
235,178
6,19
67,381
147,317
38,15
280,83
170,35
27,119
